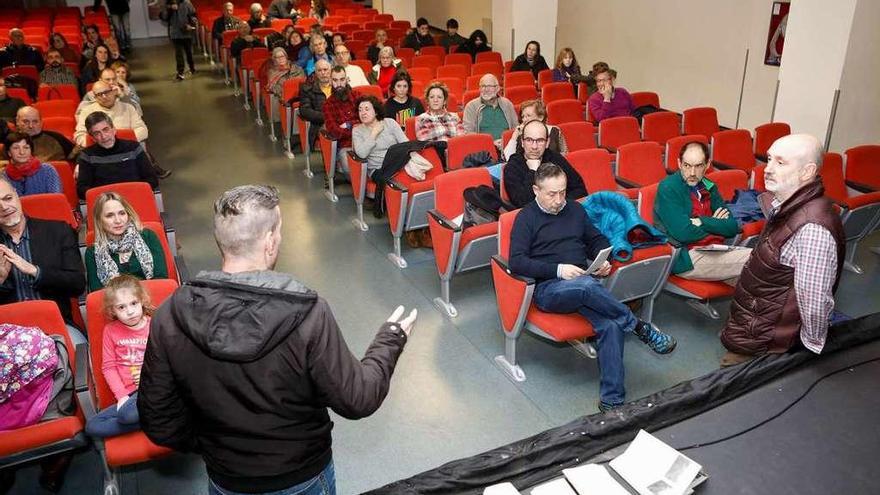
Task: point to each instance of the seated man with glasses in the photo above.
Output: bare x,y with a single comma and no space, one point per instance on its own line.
609,101
124,115
111,160
519,173
490,113
356,76
690,210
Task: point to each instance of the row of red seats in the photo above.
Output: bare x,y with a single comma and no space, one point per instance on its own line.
93,394
638,160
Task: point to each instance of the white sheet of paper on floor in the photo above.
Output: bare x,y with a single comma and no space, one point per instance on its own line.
555,487
501,489
593,479
654,468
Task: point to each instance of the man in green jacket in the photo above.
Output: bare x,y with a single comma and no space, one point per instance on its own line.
690,210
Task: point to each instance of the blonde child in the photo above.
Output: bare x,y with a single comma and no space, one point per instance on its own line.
127,305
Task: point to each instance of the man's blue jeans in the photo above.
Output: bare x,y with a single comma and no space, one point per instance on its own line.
322,484
610,319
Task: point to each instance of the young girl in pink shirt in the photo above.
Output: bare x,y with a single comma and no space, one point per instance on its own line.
127,306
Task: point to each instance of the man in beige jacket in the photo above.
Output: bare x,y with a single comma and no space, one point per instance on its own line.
124,115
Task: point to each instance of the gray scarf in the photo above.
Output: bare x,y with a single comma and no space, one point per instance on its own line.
131,242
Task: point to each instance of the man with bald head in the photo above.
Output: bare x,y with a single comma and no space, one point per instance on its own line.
226,22
109,76
20,53
124,115
490,113
48,145
801,248
312,95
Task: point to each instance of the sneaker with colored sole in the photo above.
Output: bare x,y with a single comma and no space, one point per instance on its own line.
658,341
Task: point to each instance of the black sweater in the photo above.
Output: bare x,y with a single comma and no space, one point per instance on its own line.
521,63
518,178
125,161
540,241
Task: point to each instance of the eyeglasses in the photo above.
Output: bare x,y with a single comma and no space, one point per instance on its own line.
692,166
488,86
105,93
342,53
531,141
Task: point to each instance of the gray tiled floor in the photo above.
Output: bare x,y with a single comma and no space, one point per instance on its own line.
448,400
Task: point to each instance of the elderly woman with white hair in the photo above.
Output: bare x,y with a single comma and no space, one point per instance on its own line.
385,69
280,70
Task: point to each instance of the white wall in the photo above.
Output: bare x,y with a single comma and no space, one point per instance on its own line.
817,37
858,110
502,26
535,21
401,9
691,52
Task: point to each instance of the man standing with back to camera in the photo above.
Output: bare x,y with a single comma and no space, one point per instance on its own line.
242,363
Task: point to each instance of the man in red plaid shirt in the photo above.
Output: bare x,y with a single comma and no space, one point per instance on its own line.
340,115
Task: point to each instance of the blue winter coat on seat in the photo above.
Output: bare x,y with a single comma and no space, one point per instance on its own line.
617,219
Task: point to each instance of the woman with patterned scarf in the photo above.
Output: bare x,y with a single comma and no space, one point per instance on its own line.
121,244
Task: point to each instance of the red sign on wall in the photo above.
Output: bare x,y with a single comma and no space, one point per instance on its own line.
776,34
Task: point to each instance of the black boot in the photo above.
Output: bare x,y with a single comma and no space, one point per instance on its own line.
161,172
53,470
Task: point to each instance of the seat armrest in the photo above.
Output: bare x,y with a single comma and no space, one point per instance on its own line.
83,385
503,264
326,134
397,186
627,184
722,165
442,221
858,186
81,374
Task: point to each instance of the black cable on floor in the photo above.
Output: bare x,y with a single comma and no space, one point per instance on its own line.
784,410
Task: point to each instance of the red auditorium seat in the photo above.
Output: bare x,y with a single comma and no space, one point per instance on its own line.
733,149
134,447
617,131
407,202
55,436
700,120
456,248
766,134
697,292
640,278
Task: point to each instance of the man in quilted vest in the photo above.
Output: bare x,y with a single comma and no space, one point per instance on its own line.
802,247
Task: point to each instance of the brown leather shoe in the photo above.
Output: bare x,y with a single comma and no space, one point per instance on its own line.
425,238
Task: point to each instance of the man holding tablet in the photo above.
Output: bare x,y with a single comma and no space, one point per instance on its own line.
554,242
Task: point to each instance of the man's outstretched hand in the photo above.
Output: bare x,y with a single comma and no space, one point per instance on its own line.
406,324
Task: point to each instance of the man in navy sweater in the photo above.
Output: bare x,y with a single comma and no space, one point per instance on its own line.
552,241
